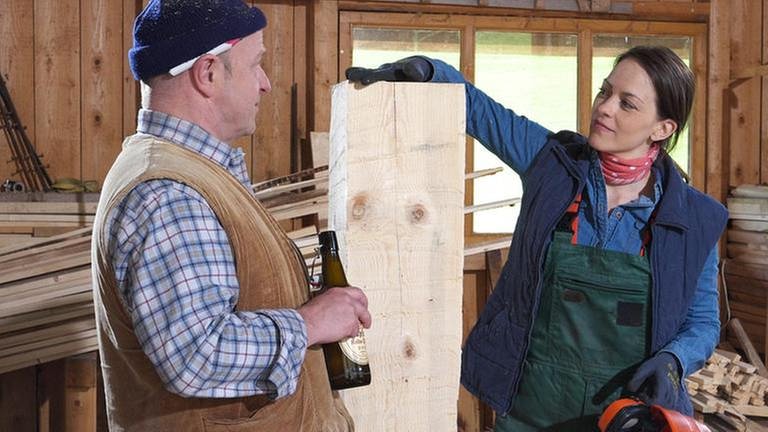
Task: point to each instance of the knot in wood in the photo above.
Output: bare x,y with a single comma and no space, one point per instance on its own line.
359,205
418,213
409,349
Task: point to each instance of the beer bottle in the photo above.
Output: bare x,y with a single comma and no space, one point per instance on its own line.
346,360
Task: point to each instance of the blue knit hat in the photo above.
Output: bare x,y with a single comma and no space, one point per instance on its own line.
170,32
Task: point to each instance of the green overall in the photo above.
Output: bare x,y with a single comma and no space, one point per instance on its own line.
587,339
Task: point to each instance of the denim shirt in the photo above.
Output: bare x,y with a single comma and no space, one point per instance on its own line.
517,140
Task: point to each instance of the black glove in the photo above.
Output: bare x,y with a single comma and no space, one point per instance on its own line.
414,69
657,380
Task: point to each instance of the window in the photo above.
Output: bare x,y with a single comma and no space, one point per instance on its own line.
546,69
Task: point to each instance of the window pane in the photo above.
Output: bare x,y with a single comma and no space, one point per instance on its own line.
533,74
604,52
373,46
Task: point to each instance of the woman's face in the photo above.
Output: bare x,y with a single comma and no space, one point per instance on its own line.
625,118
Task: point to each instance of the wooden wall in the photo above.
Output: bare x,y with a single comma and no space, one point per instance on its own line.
66,68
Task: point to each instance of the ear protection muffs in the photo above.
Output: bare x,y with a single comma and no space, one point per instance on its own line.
625,415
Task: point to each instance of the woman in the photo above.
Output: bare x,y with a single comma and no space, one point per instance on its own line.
611,284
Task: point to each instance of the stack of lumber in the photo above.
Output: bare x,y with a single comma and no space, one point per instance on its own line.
745,272
46,306
729,389
748,234
25,215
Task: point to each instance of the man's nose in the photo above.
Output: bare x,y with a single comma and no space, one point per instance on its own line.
264,85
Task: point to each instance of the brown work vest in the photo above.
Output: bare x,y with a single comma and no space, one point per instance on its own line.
270,274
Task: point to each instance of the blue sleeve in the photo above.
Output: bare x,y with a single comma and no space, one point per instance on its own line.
515,139
700,332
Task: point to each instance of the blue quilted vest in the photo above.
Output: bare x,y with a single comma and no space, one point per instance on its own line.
687,227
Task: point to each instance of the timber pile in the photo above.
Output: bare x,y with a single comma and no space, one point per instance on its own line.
745,271
46,305
26,216
730,390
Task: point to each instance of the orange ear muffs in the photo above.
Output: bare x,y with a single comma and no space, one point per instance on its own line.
624,415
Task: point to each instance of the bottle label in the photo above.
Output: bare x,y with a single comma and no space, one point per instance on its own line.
354,348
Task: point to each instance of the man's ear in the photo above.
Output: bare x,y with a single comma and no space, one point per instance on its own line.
203,73
663,130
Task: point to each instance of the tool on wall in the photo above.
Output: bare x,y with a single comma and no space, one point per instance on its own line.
633,415
28,164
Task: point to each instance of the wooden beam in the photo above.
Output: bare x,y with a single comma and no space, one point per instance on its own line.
482,173
764,103
749,349
323,64
402,240
718,111
491,205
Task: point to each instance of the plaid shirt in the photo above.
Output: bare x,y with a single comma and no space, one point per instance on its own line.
176,275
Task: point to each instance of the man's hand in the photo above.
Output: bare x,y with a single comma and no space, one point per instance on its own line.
657,380
414,69
335,315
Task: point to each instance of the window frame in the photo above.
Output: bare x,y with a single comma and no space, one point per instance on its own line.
584,28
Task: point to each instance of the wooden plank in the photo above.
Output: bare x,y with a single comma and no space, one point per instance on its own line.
717,108
323,52
494,261
747,237
584,81
48,207
764,101
102,113
320,145
300,71
64,244
752,357
16,322
745,113
80,393
75,344
477,248
18,400
745,270
130,89
491,205
12,342
57,75
482,173
17,67
406,227
697,124
271,146
469,414
667,8
321,180
46,240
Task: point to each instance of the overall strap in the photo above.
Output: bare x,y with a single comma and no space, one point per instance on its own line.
570,223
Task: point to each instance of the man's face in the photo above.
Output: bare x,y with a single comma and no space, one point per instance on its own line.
245,82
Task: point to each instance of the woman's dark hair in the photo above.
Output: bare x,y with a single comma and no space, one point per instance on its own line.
673,82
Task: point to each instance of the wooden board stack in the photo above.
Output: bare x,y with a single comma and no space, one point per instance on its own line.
46,305
748,236
728,388
26,215
744,269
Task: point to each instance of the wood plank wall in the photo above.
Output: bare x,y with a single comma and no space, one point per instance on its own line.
66,68
70,80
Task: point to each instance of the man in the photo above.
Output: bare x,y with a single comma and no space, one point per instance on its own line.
201,299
